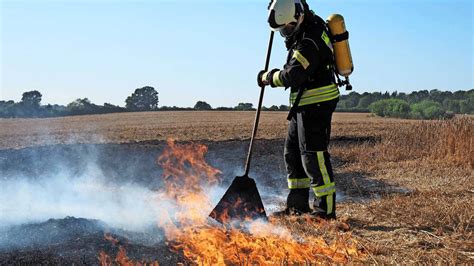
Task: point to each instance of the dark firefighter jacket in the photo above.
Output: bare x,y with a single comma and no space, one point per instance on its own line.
309,64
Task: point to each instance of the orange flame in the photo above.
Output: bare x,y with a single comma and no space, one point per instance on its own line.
185,168
186,204
104,259
121,258
187,176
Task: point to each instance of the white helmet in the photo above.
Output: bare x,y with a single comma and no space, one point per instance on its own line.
286,16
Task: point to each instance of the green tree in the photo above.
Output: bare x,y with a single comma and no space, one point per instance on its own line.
352,100
466,106
7,108
402,96
343,104
365,101
459,95
244,107
451,105
31,99
390,108
79,103
418,96
110,108
143,99
273,108
378,107
29,106
427,110
201,105
80,107
436,96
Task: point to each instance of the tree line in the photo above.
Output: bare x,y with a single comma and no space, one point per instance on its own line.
141,100
416,105
422,104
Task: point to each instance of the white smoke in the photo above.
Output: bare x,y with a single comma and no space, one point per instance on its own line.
128,206
58,191
27,200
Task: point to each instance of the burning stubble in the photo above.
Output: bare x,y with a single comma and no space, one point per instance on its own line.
180,207
187,177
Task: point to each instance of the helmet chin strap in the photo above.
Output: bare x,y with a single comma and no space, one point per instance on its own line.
299,23
297,28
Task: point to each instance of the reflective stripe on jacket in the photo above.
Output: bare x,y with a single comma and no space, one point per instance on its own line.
318,95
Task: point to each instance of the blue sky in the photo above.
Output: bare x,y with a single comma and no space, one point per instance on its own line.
212,50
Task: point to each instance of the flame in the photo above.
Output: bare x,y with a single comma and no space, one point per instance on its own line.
111,239
266,244
187,178
104,259
184,208
121,258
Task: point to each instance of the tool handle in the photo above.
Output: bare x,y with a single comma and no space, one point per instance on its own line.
259,108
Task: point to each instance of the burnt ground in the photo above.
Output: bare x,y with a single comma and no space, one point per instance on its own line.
77,240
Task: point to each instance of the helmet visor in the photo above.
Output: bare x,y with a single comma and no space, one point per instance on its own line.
288,30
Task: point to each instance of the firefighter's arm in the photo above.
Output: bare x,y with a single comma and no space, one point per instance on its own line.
301,65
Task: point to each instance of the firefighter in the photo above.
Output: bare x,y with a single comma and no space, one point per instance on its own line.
310,69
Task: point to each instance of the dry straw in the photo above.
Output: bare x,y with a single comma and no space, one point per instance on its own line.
448,140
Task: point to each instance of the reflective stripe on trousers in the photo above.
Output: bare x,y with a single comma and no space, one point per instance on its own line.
329,187
295,183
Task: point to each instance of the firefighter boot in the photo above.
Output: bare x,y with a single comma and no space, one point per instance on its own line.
321,209
297,203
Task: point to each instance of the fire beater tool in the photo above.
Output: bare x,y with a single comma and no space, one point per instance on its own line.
242,200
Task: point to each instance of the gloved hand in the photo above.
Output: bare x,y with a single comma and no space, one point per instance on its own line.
264,77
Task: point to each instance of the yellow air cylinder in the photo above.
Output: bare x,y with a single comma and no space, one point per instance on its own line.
342,51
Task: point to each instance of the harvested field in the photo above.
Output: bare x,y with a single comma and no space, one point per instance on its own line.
182,126
405,188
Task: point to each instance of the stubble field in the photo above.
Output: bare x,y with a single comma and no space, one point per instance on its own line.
406,187
183,126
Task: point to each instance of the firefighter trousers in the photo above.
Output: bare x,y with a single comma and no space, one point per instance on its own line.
307,159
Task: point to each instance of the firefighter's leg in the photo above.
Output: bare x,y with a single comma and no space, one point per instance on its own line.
313,133
298,182
325,188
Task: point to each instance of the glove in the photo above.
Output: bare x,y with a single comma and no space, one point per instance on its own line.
264,78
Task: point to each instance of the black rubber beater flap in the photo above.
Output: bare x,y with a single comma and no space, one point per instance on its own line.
241,202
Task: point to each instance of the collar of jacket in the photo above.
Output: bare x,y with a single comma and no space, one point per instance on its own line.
308,22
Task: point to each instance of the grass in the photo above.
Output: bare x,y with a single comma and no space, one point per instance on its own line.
409,184
431,219
450,140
